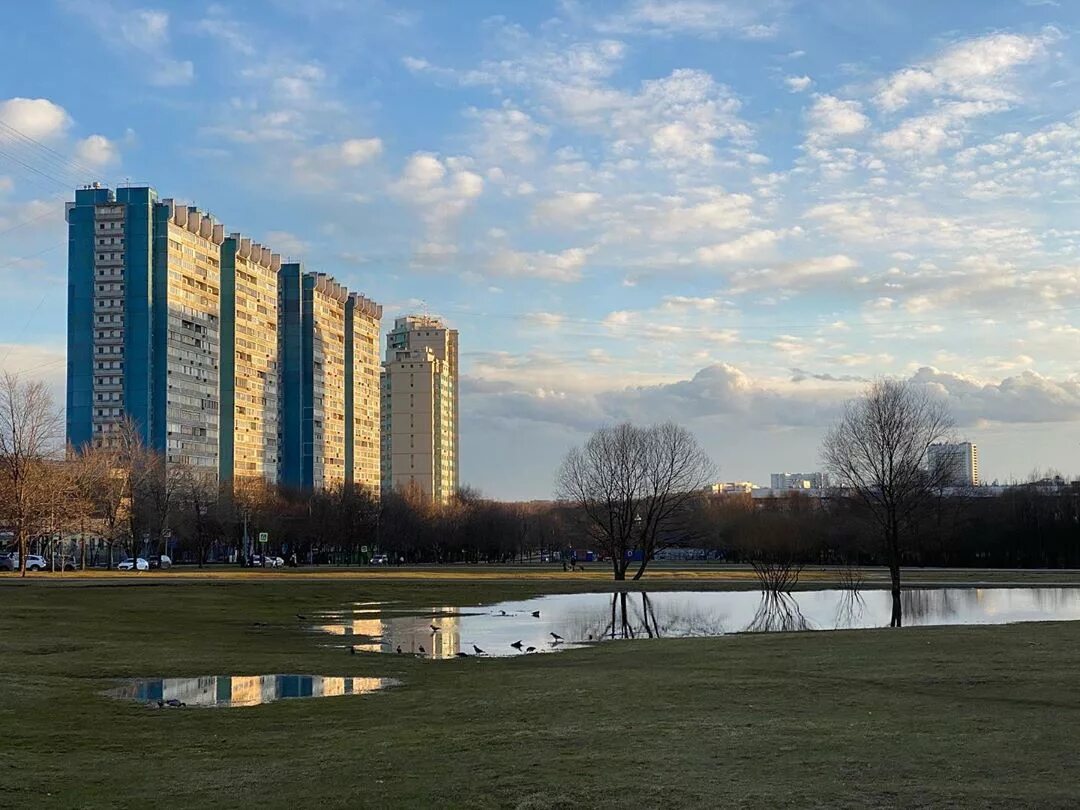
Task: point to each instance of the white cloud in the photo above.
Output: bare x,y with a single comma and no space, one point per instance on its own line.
97,151
509,134
328,166
140,34
36,118
748,246
567,208
974,69
702,18
833,117
797,84
564,266
441,189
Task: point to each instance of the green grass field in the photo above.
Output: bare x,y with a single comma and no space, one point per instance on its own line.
919,717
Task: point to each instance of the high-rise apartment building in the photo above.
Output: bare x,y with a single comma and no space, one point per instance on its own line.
322,325
224,358
249,359
954,464
144,290
420,408
362,395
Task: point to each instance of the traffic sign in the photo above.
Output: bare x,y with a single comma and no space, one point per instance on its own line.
264,537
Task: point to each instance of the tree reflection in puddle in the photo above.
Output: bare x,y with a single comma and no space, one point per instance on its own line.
777,613
562,621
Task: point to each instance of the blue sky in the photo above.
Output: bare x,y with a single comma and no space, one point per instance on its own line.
727,213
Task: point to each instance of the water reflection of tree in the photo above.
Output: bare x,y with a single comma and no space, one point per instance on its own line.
628,616
777,612
849,608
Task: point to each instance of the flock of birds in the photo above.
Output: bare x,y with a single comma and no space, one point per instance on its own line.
518,645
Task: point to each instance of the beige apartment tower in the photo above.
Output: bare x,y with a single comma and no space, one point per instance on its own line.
420,408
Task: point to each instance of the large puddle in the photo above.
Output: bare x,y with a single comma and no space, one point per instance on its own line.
571,620
243,690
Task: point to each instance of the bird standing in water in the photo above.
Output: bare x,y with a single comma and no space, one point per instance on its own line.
462,655
398,649
536,614
530,649
477,650
557,637
352,650
422,650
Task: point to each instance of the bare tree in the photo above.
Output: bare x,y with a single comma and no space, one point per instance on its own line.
196,509
632,487
877,451
30,430
150,487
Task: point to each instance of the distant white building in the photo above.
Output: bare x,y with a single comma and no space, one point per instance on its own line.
814,480
954,464
731,488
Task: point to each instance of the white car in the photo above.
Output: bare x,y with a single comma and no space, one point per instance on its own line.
138,564
34,562
266,561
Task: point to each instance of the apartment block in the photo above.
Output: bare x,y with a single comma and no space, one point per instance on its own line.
420,408
363,318
814,480
249,360
321,327
144,323
954,464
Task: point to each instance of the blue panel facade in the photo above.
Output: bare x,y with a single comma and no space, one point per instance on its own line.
350,391
80,338
227,361
290,357
138,300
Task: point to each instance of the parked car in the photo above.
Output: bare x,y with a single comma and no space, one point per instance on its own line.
160,561
34,562
266,561
138,564
380,559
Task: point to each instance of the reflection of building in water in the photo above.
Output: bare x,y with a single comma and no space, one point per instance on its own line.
367,632
413,632
248,690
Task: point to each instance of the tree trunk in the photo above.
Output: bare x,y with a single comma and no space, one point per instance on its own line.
641,568
897,610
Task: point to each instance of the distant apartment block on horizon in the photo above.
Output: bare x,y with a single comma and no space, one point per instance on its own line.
954,464
226,359
814,480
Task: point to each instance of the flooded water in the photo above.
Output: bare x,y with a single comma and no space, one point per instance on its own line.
244,690
571,620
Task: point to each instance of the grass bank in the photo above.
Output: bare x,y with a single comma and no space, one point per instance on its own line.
923,716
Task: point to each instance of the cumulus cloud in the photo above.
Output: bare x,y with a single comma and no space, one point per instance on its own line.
974,69
96,151
566,208
440,189
748,246
797,84
702,18
564,266
36,118
831,117
329,165
726,393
